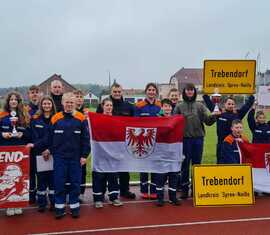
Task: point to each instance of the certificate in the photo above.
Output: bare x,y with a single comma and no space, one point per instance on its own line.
43,165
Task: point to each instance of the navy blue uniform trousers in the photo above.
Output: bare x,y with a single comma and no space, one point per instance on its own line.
193,150
100,180
66,169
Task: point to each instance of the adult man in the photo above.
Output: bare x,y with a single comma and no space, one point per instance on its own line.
68,142
121,108
57,91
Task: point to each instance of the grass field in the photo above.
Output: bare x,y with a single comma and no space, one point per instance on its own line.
209,154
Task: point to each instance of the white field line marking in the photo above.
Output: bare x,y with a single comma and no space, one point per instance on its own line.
92,204
157,226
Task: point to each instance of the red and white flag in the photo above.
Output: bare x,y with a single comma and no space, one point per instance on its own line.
14,176
136,144
258,155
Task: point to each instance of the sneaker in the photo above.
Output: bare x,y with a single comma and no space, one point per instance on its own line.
153,196
59,214
145,196
128,195
177,202
81,198
18,211
117,202
98,204
184,195
75,214
41,209
10,212
160,203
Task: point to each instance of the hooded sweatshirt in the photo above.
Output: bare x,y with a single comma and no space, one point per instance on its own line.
195,114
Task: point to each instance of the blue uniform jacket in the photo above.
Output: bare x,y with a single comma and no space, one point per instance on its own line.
145,109
32,109
229,150
224,121
68,136
260,132
39,129
5,126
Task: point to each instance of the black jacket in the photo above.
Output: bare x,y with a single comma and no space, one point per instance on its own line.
57,99
120,108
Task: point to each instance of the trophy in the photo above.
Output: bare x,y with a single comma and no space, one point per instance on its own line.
216,98
14,120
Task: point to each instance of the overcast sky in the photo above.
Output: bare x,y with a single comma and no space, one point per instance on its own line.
137,41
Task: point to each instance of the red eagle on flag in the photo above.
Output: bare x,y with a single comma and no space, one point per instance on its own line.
140,142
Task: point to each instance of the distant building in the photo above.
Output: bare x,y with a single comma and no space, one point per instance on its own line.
188,75
131,95
164,89
90,99
45,86
263,78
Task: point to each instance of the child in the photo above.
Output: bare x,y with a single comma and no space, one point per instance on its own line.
196,116
40,126
230,150
33,105
174,97
100,179
13,103
224,121
259,128
80,107
161,178
69,143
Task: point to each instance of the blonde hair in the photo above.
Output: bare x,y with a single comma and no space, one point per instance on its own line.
68,95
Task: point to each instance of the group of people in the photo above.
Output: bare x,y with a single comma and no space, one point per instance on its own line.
56,127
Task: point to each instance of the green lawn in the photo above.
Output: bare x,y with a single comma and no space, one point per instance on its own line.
209,154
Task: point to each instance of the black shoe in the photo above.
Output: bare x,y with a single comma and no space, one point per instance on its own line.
41,209
59,215
184,195
128,195
160,203
177,202
75,214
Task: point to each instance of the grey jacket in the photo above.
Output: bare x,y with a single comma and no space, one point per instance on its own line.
195,114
